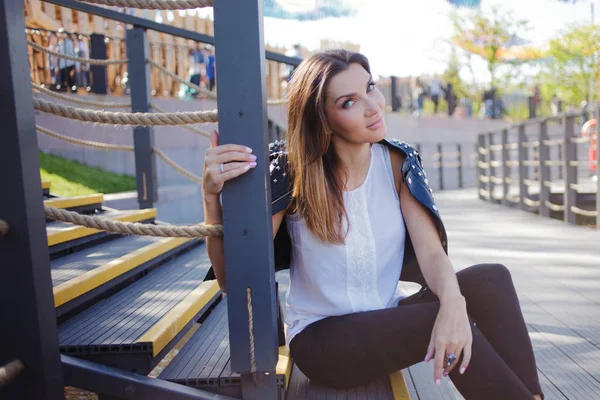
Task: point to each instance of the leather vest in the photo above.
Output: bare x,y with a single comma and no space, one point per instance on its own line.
413,175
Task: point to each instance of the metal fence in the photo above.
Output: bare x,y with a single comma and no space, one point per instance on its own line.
29,331
539,166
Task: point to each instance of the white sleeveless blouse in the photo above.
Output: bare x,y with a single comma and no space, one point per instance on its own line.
360,275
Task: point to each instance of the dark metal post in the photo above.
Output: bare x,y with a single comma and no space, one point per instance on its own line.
491,168
395,102
240,55
523,169
505,168
544,170
138,52
460,165
570,154
480,148
532,110
27,319
98,51
441,166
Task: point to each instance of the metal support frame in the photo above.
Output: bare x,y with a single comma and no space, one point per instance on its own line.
523,169
505,168
138,51
112,383
159,27
98,72
27,319
544,169
570,154
240,54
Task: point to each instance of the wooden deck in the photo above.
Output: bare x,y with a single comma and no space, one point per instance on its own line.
556,270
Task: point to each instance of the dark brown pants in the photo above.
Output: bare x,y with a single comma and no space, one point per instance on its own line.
351,350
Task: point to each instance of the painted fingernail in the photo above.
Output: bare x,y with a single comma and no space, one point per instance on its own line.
438,381
445,373
252,164
248,150
252,157
462,370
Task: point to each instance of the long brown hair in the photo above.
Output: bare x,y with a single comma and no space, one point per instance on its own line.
317,190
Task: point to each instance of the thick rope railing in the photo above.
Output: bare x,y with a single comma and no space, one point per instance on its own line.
199,89
91,61
177,167
132,228
155,4
188,127
179,79
251,331
119,147
82,142
76,100
121,118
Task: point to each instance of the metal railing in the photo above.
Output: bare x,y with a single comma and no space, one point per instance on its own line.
545,168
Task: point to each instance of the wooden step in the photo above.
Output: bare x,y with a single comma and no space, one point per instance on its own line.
136,327
204,362
87,275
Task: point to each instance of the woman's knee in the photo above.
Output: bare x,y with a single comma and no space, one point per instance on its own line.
484,279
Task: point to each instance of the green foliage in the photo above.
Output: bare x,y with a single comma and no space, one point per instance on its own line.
570,66
71,178
485,35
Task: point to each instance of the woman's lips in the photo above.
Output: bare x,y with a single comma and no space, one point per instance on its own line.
377,124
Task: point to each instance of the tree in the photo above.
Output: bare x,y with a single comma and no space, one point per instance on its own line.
570,67
488,36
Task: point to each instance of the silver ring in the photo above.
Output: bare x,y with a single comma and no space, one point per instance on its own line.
222,168
450,359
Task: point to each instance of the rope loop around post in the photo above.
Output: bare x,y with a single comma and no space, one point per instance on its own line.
10,372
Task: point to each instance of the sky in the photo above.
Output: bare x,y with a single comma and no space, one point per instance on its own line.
409,37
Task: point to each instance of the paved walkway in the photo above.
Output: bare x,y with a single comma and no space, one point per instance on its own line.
556,270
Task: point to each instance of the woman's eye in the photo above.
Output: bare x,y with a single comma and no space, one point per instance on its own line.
347,104
371,87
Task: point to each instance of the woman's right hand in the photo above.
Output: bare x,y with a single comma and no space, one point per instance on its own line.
235,159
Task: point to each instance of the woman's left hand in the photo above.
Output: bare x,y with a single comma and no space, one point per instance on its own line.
451,334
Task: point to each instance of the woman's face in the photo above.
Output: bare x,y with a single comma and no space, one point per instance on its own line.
354,107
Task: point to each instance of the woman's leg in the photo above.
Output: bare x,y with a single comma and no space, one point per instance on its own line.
493,304
353,349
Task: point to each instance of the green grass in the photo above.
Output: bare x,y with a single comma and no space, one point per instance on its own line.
72,178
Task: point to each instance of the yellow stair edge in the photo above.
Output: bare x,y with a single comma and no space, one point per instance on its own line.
399,387
171,324
76,231
75,201
284,364
46,185
90,280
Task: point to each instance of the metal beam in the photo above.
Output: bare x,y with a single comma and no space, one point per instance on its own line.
116,383
98,72
138,51
246,200
155,26
27,319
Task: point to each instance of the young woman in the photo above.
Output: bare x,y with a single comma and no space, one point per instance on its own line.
356,210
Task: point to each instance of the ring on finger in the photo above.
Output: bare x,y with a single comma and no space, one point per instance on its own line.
450,359
222,167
